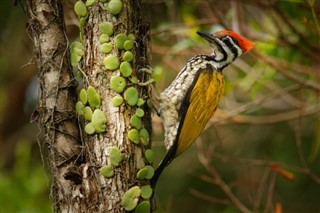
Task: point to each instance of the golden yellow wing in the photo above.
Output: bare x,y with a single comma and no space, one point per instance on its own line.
203,101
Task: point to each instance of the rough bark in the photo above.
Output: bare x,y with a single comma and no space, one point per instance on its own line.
128,21
74,157
56,106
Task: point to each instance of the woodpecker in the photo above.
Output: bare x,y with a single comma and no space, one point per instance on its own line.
192,98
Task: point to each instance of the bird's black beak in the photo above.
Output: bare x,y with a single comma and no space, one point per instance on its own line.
207,36
213,41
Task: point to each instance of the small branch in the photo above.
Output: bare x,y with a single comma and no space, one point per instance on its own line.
273,86
222,118
257,102
283,71
269,206
303,39
223,186
266,163
315,18
209,198
206,178
260,190
275,118
297,132
180,27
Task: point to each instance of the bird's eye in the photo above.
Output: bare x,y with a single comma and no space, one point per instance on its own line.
225,38
233,39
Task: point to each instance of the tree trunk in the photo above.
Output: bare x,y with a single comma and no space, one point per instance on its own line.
75,157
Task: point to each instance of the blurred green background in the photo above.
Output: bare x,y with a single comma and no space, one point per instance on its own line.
261,150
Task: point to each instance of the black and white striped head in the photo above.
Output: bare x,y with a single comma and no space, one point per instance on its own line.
227,46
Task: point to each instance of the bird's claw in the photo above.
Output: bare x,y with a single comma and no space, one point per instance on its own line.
146,83
147,69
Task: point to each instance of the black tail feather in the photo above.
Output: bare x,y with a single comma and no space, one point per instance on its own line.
163,164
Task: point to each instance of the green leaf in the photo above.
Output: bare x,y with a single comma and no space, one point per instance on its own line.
74,59
142,173
83,96
128,44
76,45
107,171
120,39
132,37
115,156
127,56
133,136
114,6
106,28
104,38
106,47
134,80
98,120
150,172
99,116
93,97
79,108
125,69
129,199
139,112
144,136
111,62
80,9
89,129
90,3
140,102
118,84
131,95
87,113
143,207
149,155
146,192
117,101
135,121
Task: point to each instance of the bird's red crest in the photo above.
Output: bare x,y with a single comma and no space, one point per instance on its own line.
244,44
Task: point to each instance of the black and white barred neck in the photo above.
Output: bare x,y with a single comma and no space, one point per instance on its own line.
225,51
